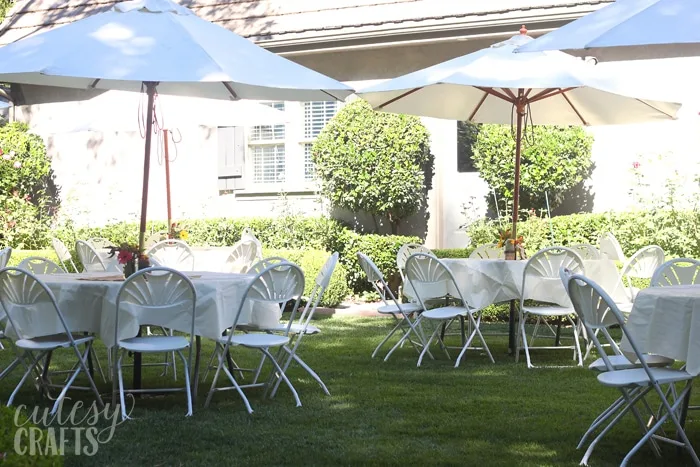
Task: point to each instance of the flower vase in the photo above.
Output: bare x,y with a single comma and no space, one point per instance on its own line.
129,268
509,250
144,262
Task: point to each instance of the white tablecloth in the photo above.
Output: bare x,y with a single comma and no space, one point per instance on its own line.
487,281
666,321
90,306
211,258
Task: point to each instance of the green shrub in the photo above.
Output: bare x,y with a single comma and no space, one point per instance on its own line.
18,255
374,162
311,262
8,456
453,253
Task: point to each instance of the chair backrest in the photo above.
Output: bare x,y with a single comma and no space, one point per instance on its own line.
586,251
488,251
164,292
279,283
323,279
242,257
62,251
154,238
376,278
92,262
407,250
644,262
679,271
597,311
5,254
265,263
28,304
173,254
247,234
544,266
100,243
431,279
39,265
609,247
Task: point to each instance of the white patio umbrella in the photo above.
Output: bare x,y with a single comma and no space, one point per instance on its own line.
495,85
629,30
159,45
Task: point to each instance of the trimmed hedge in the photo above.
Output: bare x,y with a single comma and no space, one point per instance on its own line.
8,456
453,252
311,262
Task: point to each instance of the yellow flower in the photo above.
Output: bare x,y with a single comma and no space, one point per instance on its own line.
184,235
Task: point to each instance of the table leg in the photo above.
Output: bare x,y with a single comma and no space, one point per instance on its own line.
195,374
91,367
557,338
461,325
137,367
511,329
229,361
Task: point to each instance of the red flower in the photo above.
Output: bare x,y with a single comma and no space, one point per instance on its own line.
635,165
125,256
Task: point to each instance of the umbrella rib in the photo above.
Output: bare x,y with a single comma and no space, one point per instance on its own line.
329,94
658,110
230,90
94,83
391,101
509,93
549,93
563,94
478,106
493,92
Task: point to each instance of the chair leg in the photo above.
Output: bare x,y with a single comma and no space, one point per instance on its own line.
281,374
388,336
427,345
120,379
188,390
83,367
30,368
577,344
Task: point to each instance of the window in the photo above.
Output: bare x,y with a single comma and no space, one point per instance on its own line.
309,168
267,150
316,115
268,163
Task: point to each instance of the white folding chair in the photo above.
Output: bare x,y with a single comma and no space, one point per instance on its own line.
173,254
302,327
247,234
5,254
431,279
401,312
92,261
541,275
597,311
39,265
280,284
610,248
586,251
244,254
99,243
679,271
63,254
405,251
488,251
27,300
154,296
154,238
641,265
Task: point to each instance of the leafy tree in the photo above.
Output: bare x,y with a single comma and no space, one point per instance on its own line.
5,5
375,162
554,159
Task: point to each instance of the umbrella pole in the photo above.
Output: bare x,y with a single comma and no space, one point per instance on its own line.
150,90
167,177
520,110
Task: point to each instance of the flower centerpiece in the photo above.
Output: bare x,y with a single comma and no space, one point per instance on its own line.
177,232
130,257
513,247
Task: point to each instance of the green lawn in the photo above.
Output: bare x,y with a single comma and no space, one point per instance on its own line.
379,413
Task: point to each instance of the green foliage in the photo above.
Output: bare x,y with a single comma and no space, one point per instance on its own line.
8,456
28,195
311,262
676,232
375,162
18,255
4,7
559,159
453,252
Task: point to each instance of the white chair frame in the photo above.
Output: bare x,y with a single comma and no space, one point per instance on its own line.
100,243
488,251
151,288
155,238
679,271
92,261
610,248
402,256
5,254
244,254
22,290
641,265
586,251
431,279
63,254
594,306
173,254
546,264
39,265
279,283
401,312
247,234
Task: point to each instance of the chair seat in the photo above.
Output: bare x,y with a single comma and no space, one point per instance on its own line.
551,310
282,327
405,307
154,344
55,341
257,340
620,362
445,312
639,377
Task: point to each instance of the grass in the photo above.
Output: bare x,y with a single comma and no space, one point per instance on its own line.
379,413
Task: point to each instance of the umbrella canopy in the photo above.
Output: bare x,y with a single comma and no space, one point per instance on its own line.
629,30
159,44
495,85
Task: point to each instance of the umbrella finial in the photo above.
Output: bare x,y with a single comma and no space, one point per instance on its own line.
523,30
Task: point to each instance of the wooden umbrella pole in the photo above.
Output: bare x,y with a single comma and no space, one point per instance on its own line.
150,91
167,177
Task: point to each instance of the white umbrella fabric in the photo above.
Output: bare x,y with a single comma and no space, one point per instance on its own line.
495,85
158,44
629,30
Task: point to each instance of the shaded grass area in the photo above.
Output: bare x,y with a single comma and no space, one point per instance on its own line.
379,413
